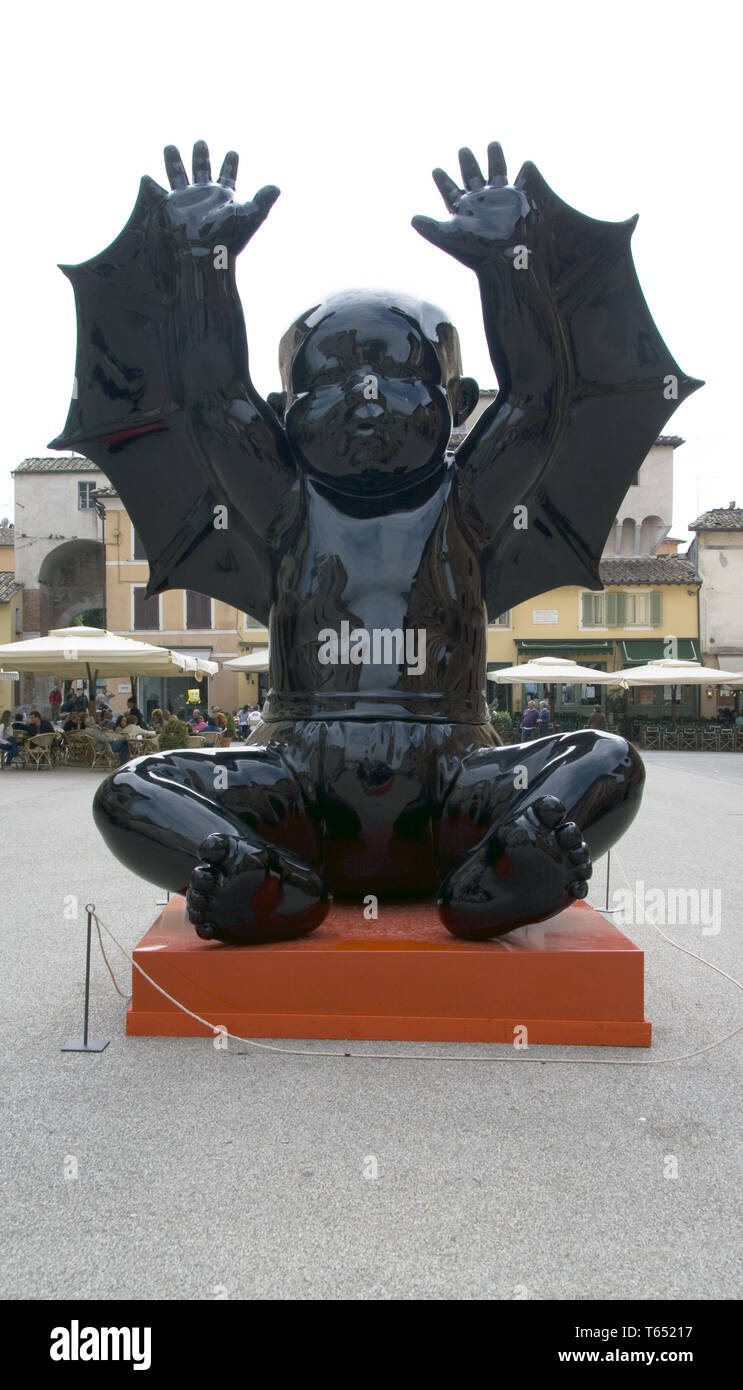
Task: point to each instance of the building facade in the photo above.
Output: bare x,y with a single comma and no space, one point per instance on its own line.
717,552
183,620
78,556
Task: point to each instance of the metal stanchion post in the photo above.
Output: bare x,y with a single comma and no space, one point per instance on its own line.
86,1044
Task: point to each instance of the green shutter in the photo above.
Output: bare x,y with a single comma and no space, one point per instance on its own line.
656,609
611,610
587,618
621,610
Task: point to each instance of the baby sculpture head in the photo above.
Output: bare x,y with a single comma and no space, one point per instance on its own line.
372,386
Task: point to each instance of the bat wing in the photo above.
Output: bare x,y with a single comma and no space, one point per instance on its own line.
127,414
617,387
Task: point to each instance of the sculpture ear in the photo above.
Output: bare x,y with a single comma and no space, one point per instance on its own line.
464,397
277,402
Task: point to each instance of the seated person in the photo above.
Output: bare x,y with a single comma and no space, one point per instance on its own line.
103,739
197,722
37,725
9,748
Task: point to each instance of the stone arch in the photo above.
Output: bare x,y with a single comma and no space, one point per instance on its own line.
627,536
651,534
71,580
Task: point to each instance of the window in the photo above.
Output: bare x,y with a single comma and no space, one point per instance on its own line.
592,610
198,610
138,550
146,611
504,620
644,610
85,501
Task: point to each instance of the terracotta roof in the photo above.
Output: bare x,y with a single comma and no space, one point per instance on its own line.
9,585
719,519
57,463
654,569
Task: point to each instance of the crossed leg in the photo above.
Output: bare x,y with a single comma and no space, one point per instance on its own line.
521,825
229,826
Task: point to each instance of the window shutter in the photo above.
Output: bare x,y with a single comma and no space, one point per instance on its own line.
621,610
587,618
656,609
611,610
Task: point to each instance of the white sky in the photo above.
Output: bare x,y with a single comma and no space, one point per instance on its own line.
631,107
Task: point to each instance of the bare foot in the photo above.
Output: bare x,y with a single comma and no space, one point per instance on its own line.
524,870
244,893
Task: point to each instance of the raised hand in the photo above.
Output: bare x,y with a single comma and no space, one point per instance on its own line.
488,216
206,214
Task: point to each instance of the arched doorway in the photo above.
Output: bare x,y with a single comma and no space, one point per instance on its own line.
71,582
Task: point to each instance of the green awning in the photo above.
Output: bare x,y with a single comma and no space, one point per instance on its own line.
554,647
636,653
499,665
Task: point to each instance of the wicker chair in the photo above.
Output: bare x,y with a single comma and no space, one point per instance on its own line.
195,741
98,755
39,750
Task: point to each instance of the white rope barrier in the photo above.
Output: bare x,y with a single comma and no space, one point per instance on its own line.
439,1057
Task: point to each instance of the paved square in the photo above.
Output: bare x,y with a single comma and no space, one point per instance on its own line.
244,1173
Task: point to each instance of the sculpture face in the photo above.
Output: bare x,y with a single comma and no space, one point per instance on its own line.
369,411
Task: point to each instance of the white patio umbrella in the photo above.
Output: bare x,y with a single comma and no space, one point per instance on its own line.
254,661
672,672
87,652
549,669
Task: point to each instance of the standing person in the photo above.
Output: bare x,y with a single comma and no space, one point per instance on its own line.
80,704
55,700
133,709
598,718
8,746
544,718
102,700
242,720
529,722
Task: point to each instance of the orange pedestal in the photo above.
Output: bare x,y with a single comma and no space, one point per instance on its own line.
573,979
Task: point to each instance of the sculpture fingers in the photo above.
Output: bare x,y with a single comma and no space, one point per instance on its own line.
174,168
449,190
202,169
228,172
435,232
471,173
497,170
264,199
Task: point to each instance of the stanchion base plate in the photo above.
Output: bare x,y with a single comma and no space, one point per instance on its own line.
92,1045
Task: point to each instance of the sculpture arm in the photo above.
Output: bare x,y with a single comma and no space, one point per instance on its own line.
586,382
239,436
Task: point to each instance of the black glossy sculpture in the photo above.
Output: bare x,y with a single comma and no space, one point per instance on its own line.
335,514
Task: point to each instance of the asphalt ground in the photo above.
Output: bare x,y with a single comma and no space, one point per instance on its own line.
171,1168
